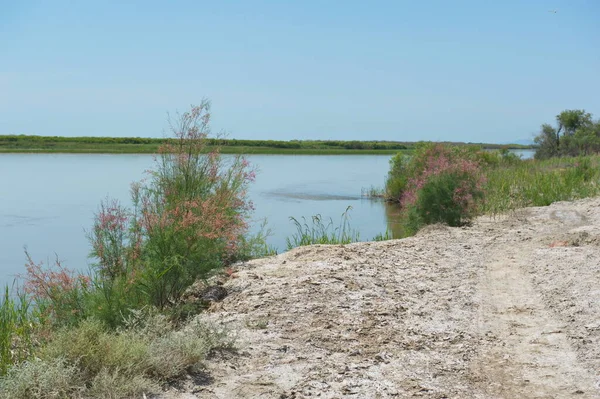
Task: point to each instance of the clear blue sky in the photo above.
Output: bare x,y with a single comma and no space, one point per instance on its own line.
489,71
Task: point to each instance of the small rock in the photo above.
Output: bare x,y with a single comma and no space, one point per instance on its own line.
214,293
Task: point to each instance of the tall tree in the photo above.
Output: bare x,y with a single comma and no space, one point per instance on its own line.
571,136
573,119
547,141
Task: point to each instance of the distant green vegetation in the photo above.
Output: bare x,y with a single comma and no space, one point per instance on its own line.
139,145
132,145
576,133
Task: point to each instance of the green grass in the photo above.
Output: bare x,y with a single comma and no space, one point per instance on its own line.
16,330
540,183
383,236
318,231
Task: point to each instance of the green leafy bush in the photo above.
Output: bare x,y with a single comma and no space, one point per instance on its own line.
575,134
397,179
438,184
189,218
448,197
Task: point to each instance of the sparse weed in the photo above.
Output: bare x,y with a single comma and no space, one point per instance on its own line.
115,384
175,352
92,361
255,245
259,324
318,232
372,192
91,347
383,237
42,379
17,326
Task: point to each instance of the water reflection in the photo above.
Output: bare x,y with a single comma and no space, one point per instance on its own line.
312,197
392,216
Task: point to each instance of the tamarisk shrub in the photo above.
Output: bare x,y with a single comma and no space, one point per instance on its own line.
439,184
188,217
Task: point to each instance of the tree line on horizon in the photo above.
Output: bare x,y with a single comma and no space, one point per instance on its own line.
28,140
23,141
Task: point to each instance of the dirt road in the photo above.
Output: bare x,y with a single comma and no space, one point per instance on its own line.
531,355
506,308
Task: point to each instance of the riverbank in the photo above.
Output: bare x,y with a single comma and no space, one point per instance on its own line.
505,308
137,145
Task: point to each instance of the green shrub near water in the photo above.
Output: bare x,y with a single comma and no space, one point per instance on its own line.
438,200
189,218
438,184
426,185
398,175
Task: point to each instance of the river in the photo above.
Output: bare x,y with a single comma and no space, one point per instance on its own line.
47,201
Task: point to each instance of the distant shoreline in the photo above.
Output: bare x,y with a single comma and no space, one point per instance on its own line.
136,145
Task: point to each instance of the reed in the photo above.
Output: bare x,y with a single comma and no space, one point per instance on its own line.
319,231
540,183
16,329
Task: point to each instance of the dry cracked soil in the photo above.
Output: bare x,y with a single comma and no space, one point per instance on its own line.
506,308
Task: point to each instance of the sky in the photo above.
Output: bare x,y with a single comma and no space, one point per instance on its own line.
473,71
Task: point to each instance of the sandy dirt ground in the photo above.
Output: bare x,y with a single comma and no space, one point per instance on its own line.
506,308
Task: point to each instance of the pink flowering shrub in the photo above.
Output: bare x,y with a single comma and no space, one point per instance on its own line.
188,218
108,239
440,184
59,293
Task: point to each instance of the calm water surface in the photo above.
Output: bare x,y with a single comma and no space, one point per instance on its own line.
47,201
